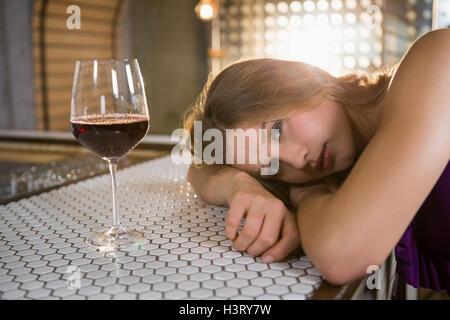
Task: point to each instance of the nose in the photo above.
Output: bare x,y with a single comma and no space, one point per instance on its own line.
295,156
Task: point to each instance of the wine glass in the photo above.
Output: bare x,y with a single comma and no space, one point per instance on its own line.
109,116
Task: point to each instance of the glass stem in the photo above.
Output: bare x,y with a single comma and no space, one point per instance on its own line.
112,171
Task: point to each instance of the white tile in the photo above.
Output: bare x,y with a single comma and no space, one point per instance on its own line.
247,275
301,264
188,270
125,296
139,288
20,271
227,292
39,293
152,295
201,293
89,290
314,272
213,284
177,263
237,283
302,288
37,264
9,286
201,262
179,251
252,291
244,260
223,275
189,256
188,285
115,289
176,277
256,266
277,289
293,296
163,286
168,257
261,282
200,276
56,284
271,273
129,280
176,294
165,271
294,272
210,255
21,279
133,265
13,295
105,281
285,281
279,266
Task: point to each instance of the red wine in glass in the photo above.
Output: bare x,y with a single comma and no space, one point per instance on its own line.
110,136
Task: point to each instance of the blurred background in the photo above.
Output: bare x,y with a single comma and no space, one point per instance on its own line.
170,39
178,43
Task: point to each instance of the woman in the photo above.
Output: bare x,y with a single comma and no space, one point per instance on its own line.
387,175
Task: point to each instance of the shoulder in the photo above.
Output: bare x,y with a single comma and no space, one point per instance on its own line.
418,91
434,44
439,38
430,51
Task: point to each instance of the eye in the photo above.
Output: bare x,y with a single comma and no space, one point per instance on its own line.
276,126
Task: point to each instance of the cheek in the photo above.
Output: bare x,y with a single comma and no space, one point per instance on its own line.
317,127
344,146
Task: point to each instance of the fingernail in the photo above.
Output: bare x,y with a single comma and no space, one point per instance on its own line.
268,259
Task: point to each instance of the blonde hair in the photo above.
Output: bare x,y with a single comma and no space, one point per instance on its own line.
256,90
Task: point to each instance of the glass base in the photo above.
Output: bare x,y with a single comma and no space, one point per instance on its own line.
117,237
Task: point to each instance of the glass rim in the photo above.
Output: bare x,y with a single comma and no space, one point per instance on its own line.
111,60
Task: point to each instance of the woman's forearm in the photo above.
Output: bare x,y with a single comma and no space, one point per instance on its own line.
213,184
311,217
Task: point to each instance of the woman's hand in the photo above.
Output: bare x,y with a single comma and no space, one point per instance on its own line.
270,229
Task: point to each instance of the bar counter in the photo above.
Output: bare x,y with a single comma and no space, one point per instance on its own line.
186,255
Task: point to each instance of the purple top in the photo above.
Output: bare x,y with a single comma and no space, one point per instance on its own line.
423,252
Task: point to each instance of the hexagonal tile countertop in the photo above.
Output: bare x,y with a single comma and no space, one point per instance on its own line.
186,255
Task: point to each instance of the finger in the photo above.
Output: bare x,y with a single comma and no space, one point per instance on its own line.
250,231
234,217
289,241
268,235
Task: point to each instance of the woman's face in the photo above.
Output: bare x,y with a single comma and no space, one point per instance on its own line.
303,136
